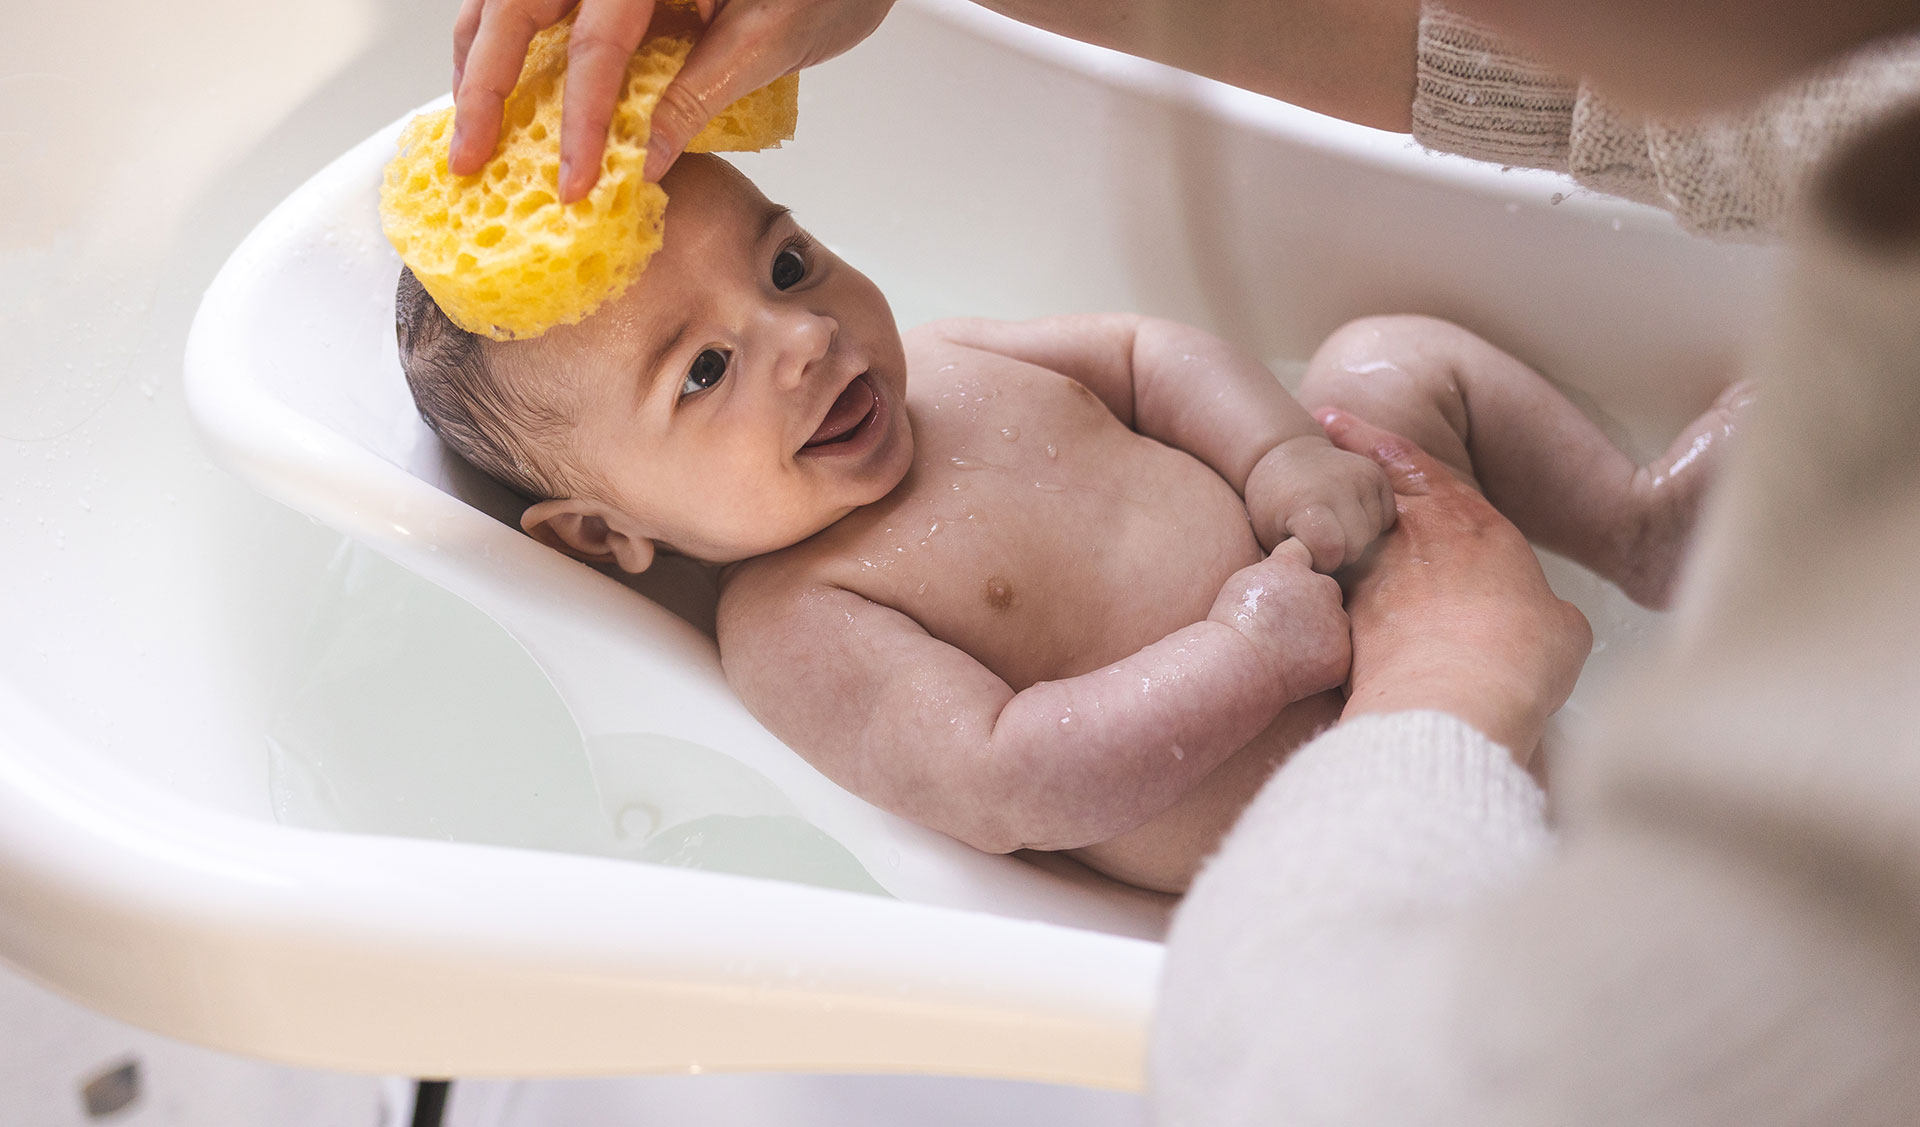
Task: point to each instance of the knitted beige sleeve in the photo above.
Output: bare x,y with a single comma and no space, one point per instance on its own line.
1475,96
1735,175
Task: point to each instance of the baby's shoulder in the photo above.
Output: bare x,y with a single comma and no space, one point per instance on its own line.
984,338
946,332
781,591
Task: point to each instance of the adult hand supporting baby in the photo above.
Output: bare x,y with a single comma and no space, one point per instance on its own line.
1450,609
747,44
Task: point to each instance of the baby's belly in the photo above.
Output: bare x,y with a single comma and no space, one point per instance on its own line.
1166,852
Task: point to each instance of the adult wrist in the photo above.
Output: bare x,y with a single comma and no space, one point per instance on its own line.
1512,717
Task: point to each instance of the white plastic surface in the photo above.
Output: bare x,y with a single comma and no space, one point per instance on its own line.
969,166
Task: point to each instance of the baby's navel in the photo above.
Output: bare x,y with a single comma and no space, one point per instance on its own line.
999,593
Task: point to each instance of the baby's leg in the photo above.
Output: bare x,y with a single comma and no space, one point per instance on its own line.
1536,456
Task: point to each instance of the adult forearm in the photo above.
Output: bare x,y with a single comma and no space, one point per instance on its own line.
1353,59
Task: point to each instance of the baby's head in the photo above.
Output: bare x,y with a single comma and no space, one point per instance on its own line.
745,392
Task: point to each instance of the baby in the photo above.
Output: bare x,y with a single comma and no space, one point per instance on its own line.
1052,585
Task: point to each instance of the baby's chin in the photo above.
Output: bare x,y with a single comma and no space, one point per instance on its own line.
745,547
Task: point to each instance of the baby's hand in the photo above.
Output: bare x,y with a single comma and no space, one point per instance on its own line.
1293,617
1333,502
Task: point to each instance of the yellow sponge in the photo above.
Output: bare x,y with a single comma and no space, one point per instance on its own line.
497,250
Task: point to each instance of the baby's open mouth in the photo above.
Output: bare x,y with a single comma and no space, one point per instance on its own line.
854,407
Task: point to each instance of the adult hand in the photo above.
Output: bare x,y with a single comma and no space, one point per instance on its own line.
1450,610
747,44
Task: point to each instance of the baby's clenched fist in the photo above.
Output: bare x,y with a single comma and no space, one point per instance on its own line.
1333,502
1293,617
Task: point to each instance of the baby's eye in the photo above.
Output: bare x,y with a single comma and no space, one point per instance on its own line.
789,267
707,370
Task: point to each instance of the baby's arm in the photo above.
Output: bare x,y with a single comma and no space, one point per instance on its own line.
1194,391
918,727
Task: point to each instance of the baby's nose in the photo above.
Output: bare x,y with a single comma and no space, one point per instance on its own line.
802,338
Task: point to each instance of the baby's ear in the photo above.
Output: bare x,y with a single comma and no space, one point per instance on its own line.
590,531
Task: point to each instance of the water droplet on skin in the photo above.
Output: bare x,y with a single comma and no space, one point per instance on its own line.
1179,752
1011,434
1067,720
1049,487
936,527
1617,224
1052,451
922,589
960,463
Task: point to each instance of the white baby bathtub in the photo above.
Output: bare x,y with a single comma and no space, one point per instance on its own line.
970,166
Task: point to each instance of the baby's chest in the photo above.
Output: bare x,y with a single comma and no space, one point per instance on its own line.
1043,537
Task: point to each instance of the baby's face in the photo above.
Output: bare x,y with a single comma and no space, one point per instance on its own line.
746,391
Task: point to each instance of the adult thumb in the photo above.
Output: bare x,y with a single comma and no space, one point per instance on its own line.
1410,469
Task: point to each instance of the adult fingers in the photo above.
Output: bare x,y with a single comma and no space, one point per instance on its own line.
604,37
1410,470
465,25
730,61
498,49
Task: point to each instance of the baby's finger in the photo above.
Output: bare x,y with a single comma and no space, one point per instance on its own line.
1370,506
1292,549
1318,528
1389,511
726,64
492,67
604,36
1410,469
1360,528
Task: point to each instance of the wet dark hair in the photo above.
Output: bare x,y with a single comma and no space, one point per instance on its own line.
460,393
